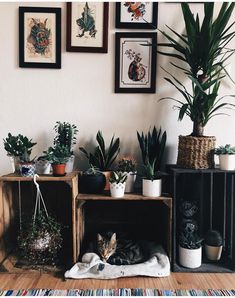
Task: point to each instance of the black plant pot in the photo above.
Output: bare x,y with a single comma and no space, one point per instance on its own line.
91,183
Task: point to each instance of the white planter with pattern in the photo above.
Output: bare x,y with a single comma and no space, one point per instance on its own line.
117,189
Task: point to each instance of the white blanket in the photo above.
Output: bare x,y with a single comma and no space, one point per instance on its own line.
157,266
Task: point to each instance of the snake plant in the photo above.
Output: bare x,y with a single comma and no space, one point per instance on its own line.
202,53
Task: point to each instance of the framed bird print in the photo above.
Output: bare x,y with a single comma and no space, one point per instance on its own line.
135,63
39,37
87,27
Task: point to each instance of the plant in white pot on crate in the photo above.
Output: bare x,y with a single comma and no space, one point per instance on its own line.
213,245
66,137
190,249
127,164
152,182
117,182
226,157
43,166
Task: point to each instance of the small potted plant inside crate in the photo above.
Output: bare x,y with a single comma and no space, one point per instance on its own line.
117,182
91,181
213,245
190,249
127,164
58,156
226,157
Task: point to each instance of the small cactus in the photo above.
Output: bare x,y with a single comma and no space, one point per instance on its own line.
213,238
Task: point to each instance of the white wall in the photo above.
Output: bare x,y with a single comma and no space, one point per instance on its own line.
82,92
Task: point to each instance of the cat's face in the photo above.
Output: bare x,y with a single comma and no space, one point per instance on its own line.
106,247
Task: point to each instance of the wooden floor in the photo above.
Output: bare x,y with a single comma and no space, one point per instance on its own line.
175,281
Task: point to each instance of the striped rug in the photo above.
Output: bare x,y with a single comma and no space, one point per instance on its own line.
116,292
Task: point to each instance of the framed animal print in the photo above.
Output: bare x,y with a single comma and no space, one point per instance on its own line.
40,37
136,15
135,63
87,27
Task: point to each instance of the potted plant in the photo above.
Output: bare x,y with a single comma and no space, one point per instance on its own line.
127,165
103,157
190,250
152,147
213,245
91,181
117,182
58,156
151,182
43,166
66,136
202,52
226,157
17,146
27,166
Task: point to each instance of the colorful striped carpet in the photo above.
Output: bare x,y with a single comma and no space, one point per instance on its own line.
116,292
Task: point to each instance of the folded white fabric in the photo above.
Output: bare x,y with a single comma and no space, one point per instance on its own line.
157,266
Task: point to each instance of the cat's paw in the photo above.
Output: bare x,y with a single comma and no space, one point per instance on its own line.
101,267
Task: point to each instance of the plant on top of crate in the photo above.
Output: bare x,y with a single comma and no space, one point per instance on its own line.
152,147
226,157
127,164
91,181
58,156
203,53
117,182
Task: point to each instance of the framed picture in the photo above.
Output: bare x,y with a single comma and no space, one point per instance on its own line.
136,15
135,63
40,37
87,27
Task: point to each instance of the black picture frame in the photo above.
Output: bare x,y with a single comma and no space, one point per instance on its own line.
87,49
142,25
52,58
125,82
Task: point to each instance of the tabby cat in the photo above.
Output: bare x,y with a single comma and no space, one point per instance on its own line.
119,251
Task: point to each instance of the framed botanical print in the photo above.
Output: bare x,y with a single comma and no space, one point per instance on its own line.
87,27
40,37
136,15
135,63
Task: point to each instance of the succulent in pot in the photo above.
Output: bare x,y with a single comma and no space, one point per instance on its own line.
226,157
127,164
117,182
213,245
103,158
58,156
66,136
16,146
91,181
190,249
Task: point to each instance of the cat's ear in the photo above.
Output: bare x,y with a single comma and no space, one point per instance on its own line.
113,238
99,237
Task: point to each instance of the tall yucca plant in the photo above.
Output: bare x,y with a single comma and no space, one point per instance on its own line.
203,53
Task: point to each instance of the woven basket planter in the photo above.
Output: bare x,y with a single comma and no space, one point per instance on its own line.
196,152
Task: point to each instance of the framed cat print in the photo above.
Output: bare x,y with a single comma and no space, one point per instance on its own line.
135,63
136,15
87,27
39,37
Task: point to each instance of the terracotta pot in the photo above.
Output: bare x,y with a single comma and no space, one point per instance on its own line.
107,176
58,170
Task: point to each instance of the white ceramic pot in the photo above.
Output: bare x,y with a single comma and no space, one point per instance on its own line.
190,258
227,162
27,169
43,167
117,189
152,188
213,253
130,181
70,164
15,163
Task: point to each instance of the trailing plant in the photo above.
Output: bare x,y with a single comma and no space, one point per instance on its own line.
117,177
126,164
152,147
65,135
202,53
40,241
58,154
190,240
103,157
213,238
18,145
227,149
